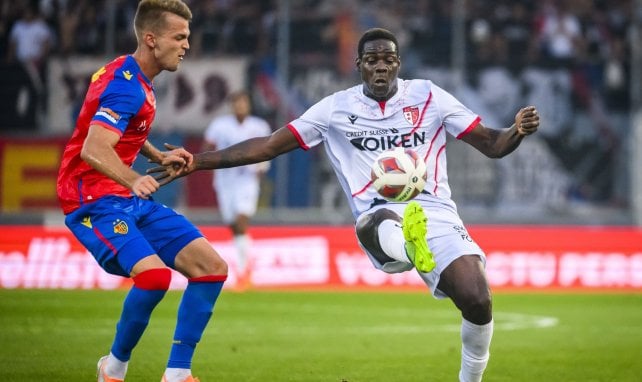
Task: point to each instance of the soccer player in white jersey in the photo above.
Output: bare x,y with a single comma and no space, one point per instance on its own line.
237,188
383,112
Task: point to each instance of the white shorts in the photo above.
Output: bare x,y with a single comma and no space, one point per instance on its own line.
237,197
448,240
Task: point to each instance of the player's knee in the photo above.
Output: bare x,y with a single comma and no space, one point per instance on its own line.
477,307
153,279
219,267
366,227
210,265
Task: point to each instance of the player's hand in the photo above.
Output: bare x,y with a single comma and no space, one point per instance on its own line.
170,170
175,156
144,186
176,162
527,121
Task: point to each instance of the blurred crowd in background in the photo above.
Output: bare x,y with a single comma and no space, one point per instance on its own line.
571,58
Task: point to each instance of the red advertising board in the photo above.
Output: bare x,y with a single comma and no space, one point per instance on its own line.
522,258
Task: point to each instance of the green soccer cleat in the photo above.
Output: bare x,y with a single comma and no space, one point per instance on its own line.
414,231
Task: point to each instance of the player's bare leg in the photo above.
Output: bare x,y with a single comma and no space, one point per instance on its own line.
464,281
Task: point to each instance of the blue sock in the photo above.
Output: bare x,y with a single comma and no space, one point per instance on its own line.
137,309
194,312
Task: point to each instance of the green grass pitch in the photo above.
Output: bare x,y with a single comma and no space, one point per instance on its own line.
329,336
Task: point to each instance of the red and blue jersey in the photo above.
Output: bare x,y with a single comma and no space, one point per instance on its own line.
120,98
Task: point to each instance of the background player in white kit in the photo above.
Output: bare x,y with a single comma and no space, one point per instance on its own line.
237,188
358,123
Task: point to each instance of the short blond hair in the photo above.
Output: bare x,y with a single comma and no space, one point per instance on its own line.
149,14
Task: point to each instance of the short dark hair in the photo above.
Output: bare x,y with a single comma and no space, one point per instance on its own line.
376,34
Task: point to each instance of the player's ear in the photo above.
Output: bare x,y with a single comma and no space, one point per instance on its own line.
357,62
150,40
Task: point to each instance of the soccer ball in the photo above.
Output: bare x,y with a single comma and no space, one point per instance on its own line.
398,174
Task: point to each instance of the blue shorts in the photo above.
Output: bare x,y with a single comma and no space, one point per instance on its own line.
119,232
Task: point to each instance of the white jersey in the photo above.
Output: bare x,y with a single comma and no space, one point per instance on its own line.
226,131
356,128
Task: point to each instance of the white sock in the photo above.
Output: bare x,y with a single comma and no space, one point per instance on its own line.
175,374
475,341
392,240
242,243
115,368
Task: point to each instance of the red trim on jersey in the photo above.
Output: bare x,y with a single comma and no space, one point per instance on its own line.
470,127
104,240
441,149
297,136
423,113
363,189
208,279
432,141
382,106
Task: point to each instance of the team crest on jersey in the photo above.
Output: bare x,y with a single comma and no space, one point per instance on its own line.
411,114
120,227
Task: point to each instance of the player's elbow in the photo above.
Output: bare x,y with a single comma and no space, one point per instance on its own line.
88,154
85,154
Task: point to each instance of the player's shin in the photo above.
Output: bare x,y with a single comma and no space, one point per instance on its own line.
392,240
194,312
475,350
148,289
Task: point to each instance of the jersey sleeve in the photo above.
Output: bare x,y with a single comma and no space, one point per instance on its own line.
312,126
457,119
120,101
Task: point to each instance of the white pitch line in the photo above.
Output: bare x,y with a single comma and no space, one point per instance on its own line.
504,321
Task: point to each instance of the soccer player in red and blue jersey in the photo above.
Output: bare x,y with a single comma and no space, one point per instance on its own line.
108,205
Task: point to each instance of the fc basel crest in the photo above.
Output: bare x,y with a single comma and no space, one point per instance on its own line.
120,227
411,114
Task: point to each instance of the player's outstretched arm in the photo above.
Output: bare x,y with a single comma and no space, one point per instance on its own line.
498,143
250,151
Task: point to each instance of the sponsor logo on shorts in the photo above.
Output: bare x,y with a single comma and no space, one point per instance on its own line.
120,227
108,113
86,221
462,232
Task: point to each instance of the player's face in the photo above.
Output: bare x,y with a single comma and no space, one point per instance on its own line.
379,67
171,43
241,107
